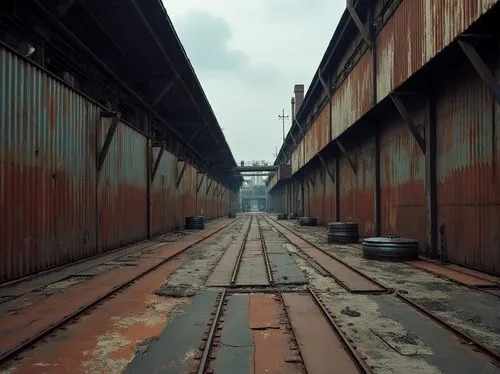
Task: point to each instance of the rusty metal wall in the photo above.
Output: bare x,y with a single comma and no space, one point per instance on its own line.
468,164
298,157
189,191
201,196
330,194
163,194
317,136
47,170
402,168
353,98
357,188
317,194
122,188
416,32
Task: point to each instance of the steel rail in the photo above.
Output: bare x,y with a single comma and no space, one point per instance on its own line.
7,355
270,277
351,350
236,267
487,351
211,334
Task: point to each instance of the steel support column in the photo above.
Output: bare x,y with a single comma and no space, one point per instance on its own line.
365,32
346,155
158,159
337,188
181,174
431,178
378,194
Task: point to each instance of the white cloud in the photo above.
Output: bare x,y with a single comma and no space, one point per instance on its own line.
248,55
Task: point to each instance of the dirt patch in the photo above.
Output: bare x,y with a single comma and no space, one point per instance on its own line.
177,290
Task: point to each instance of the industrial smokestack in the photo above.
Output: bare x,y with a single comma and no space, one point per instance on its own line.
293,110
299,96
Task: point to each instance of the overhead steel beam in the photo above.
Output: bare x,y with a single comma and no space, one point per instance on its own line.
325,165
207,190
109,137
243,169
408,120
359,24
481,67
346,155
179,177
165,90
323,83
157,161
195,134
64,7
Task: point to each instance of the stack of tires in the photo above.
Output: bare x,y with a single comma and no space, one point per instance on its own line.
342,233
231,215
308,221
195,223
292,215
390,247
282,216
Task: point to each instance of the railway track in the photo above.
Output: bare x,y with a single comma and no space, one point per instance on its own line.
304,244
25,342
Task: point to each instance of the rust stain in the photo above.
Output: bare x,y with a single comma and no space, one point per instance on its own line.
52,112
264,311
106,339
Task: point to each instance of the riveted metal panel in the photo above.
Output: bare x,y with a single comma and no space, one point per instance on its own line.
122,187
357,189
163,194
354,96
402,179
317,136
468,164
47,170
418,31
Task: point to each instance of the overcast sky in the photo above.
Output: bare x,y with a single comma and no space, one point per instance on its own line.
248,55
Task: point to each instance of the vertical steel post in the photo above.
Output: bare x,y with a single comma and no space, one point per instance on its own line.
431,177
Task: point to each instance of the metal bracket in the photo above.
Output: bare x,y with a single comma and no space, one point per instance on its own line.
157,161
109,137
408,120
346,155
179,177
323,83
481,67
298,124
322,160
165,90
362,29
207,190
199,184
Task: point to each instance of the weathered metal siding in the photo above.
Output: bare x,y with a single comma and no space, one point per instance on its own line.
357,190
189,191
201,197
317,136
330,194
298,157
273,182
317,194
468,164
402,167
47,170
163,194
416,32
122,188
354,96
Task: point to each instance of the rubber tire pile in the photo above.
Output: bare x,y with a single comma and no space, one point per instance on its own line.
195,223
292,215
390,247
282,216
308,221
342,233
231,215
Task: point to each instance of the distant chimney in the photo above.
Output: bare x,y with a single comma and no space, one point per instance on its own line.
299,96
293,110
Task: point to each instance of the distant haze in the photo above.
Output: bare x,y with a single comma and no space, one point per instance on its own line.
248,55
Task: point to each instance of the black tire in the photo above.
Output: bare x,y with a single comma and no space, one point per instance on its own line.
282,216
292,215
195,223
390,248
308,221
342,233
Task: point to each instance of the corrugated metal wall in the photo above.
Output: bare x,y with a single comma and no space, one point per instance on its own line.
403,179
47,170
317,137
55,207
163,194
122,188
468,166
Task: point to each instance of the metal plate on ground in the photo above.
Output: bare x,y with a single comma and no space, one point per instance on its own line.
235,353
445,349
175,348
321,349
